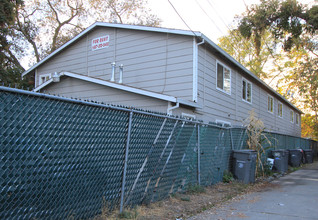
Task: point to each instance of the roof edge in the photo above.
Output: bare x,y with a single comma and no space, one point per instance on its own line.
112,25
121,87
239,65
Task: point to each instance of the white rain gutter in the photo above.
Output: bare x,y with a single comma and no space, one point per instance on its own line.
195,68
169,109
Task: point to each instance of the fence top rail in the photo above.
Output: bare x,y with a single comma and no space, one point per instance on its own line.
103,105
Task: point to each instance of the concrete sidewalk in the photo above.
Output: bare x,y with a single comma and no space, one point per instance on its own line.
295,196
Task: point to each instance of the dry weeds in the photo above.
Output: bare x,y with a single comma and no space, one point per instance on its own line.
184,205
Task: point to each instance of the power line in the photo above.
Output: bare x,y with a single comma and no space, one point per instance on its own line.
240,37
181,17
221,30
208,16
214,23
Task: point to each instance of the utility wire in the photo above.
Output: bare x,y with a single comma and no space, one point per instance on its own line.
181,18
214,23
231,31
209,16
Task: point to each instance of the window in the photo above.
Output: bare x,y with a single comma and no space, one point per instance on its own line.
280,110
270,104
247,91
223,78
44,78
291,116
297,119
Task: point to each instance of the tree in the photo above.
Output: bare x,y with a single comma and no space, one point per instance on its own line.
123,11
293,26
243,50
7,18
10,67
288,21
38,27
309,127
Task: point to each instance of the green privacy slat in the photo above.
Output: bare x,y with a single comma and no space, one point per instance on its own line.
60,158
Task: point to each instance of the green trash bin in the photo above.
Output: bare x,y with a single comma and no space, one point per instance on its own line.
244,165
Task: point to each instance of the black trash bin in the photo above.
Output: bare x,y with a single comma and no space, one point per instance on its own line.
286,159
280,157
244,165
295,156
308,155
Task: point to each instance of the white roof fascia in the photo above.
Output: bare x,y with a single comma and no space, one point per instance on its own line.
111,85
147,28
220,50
188,103
121,87
102,24
43,85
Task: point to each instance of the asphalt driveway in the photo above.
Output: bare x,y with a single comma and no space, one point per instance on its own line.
293,196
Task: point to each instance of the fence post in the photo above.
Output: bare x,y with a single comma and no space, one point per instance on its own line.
199,154
125,164
231,138
146,160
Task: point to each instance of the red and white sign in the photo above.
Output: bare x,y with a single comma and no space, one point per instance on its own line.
100,42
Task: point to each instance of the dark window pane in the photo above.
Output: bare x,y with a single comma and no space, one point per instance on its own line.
244,90
219,76
249,92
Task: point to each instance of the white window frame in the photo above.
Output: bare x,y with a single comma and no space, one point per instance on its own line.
297,119
45,76
246,90
216,73
268,109
280,104
223,122
291,116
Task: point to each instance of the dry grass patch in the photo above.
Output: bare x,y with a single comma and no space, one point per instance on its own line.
184,205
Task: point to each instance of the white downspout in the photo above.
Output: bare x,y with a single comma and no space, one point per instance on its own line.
195,69
170,107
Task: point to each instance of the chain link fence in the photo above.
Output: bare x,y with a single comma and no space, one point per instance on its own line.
65,158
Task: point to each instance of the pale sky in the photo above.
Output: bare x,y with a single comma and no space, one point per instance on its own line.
211,17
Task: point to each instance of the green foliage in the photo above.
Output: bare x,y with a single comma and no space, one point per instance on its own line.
267,170
227,177
287,20
309,127
293,169
128,214
292,26
242,49
7,11
192,189
12,78
185,198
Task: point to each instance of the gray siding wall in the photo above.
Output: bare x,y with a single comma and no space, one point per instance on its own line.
162,63
76,88
217,105
156,62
